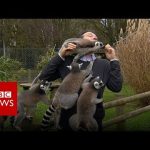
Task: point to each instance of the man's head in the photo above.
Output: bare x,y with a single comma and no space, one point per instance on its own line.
89,36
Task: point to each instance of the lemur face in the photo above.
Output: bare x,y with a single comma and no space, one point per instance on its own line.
75,66
100,44
45,85
97,83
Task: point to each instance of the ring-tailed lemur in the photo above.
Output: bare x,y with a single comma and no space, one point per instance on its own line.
27,102
86,106
67,93
84,47
29,99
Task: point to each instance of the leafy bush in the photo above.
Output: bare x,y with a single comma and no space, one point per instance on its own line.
10,69
46,58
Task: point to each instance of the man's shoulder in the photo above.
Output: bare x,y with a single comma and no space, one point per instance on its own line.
102,61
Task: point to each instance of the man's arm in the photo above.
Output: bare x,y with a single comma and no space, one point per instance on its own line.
115,79
50,72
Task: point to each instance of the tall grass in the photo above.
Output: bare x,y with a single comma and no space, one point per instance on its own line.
133,52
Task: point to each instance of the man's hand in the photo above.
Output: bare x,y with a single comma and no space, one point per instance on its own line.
110,52
65,51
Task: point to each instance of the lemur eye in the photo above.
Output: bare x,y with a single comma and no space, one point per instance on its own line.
96,85
97,43
100,44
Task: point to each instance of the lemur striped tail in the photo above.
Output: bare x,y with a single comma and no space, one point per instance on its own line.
46,118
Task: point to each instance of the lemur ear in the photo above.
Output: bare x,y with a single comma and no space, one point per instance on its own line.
98,77
80,65
69,67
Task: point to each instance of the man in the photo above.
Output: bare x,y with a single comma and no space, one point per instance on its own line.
108,69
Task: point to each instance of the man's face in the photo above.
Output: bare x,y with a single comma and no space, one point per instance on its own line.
90,36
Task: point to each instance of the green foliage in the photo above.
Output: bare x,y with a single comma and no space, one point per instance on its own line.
20,73
45,59
12,69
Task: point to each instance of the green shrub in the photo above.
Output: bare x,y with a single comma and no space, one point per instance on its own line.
46,58
10,69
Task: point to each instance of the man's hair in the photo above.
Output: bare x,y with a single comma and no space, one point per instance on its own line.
80,35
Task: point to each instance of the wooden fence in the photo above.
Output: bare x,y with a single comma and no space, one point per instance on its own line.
120,106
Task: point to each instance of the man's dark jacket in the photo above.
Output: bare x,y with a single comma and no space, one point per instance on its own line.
109,71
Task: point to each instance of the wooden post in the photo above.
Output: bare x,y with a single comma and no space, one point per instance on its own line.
120,110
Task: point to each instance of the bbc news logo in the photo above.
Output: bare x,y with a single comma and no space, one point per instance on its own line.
6,94
8,98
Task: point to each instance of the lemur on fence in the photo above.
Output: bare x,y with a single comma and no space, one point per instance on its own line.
27,103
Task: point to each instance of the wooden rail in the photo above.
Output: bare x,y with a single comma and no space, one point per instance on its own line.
126,116
26,86
120,103
125,100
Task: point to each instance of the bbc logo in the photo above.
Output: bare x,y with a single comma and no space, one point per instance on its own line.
5,94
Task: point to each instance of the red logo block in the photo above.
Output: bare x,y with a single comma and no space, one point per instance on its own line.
8,98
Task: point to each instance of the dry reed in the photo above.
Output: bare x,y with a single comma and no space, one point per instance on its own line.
133,52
